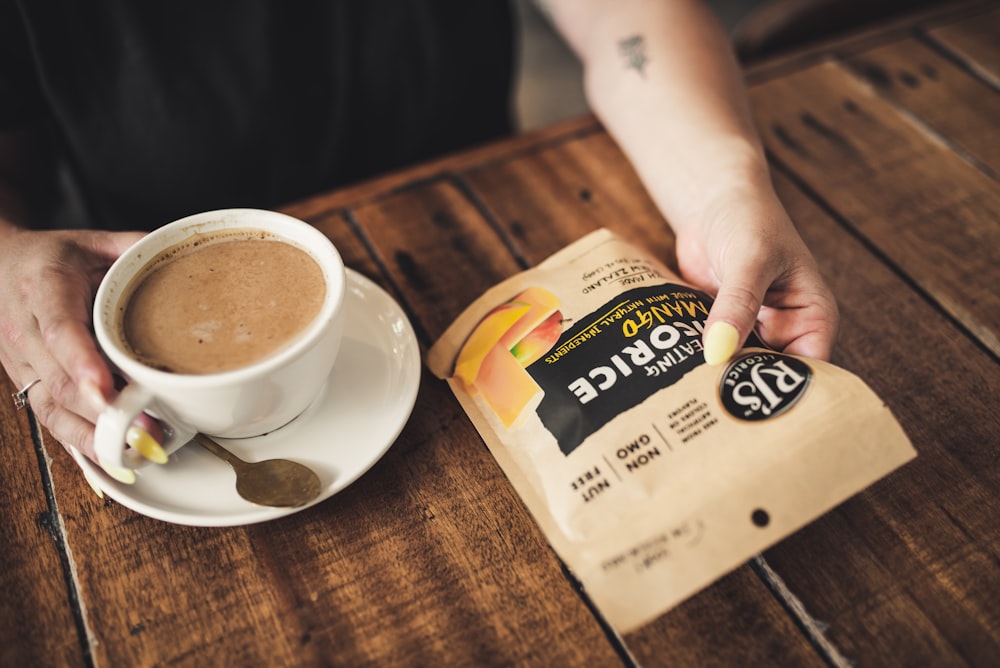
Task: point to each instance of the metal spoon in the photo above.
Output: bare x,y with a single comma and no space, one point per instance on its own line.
273,482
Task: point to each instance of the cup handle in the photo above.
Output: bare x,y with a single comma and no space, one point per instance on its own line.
112,428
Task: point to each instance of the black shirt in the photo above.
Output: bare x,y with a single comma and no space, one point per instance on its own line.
166,109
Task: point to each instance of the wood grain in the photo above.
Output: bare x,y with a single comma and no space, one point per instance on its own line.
37,625
902,26
926,209
974,43
907,569
382,186
546,199
735,622
933,91
437,249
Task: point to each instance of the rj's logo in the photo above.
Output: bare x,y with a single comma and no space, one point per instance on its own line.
758,386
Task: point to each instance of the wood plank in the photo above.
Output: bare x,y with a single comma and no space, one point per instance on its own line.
961,110
437,250
336,225
545,200
549,198
354,195
975,42
906,570
879,33
37,626
931,214
735,622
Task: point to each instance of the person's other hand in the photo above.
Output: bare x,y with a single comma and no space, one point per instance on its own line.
50,279
748,252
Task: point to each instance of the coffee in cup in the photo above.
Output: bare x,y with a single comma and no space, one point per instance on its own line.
232,297
226,323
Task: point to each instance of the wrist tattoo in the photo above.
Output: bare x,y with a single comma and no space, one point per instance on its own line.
634,50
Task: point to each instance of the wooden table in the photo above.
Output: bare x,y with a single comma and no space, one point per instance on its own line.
885,148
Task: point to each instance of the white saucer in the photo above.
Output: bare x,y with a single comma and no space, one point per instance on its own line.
344,432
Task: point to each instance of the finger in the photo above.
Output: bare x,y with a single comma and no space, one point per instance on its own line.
65,426
39,379
58,387
144,436
734,313
57,383
800,314
64,323
808,330
91,371
64,314
22,397
92,480
815,344
74,432
16,332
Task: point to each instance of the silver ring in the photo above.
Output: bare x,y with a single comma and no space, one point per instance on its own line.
21,396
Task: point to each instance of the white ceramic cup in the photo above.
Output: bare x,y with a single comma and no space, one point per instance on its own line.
239,403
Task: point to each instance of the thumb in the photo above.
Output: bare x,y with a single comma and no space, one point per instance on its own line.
733,315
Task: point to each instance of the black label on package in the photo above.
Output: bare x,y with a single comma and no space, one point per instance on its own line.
615,358
759,386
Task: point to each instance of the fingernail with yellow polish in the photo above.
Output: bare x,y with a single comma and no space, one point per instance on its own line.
126,476
147,446
91,480
721,341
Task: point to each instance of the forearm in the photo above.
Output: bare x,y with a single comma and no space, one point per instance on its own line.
662,78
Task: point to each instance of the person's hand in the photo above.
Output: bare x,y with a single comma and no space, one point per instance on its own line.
748,252
50,279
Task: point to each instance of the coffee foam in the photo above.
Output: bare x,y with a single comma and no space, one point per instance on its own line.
194,243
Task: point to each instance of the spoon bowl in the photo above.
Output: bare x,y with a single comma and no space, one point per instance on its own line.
280,483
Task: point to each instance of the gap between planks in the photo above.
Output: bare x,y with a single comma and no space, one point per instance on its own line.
813,629
57,530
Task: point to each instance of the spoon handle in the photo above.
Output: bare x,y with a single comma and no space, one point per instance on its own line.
217,450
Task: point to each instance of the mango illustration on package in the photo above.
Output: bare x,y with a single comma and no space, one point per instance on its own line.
509,338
